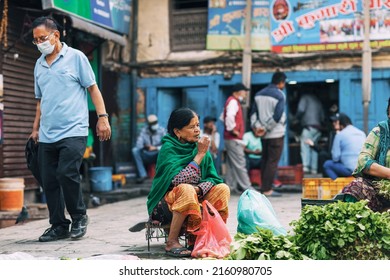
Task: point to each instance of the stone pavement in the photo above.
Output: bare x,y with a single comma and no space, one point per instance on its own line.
108,232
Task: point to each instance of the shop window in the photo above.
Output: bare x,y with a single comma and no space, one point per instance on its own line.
188,25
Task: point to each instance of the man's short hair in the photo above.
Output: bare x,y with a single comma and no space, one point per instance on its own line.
49,22
278,77
208,119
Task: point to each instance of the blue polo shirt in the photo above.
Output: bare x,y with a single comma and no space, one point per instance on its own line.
61,87
347,145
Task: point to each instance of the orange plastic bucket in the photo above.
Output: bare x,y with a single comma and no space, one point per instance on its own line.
11,194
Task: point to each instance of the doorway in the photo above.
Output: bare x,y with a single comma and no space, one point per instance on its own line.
328,94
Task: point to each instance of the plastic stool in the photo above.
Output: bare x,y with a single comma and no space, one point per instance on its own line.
151,169
255,176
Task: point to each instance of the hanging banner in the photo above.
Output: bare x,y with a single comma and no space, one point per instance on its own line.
326,25
112,14
226,25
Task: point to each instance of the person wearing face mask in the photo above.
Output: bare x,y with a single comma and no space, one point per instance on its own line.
237,177
147,147
269,118
63,77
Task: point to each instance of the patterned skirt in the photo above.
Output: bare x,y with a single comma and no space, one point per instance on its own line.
364,189
184,200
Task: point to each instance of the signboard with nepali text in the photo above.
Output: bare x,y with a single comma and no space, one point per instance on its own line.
326,25
226,25
111,14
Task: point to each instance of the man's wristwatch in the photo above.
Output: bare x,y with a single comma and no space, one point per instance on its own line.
103,115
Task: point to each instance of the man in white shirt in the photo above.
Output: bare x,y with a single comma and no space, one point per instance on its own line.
237,177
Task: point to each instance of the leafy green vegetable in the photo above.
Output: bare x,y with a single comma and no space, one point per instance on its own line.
339,231
383,187
264,245
343,231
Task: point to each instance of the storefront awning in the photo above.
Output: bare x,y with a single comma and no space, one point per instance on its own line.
97,31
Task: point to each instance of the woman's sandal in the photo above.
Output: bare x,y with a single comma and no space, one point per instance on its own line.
178,252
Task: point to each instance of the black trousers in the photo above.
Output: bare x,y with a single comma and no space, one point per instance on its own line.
59,165
252,163
271,153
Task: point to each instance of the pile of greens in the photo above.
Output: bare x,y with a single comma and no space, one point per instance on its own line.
343,231
336,231
383,188
264,245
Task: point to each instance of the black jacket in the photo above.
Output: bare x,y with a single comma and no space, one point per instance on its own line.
31,153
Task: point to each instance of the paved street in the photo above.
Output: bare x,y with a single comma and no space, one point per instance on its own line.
108,235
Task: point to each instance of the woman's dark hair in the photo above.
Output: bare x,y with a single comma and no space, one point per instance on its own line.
49,22
179,118
388,107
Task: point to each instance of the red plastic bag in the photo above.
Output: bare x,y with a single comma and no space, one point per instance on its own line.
213,238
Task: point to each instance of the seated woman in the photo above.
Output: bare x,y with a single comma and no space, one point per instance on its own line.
185,176
373,168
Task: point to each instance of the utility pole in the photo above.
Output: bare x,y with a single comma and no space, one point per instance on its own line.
247,59
247,52
366,64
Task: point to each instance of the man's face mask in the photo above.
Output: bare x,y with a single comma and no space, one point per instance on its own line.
241,99
46,47
153,127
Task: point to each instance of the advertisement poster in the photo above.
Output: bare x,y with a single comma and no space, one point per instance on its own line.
326,25
226,25
112,14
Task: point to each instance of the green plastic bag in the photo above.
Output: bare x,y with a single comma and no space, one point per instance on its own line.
255,210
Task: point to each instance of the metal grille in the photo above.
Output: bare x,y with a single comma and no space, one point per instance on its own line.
19,103
188,28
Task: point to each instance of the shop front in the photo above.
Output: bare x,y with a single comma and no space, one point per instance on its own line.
340,89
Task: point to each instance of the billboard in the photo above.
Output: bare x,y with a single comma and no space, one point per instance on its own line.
111,14
326,25
226,25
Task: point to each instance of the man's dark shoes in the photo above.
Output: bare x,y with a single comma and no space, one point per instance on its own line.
55,233
79,227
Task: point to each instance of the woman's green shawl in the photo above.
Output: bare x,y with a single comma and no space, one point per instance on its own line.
172,158
384,141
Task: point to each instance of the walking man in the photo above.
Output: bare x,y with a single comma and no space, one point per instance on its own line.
62,77
269,117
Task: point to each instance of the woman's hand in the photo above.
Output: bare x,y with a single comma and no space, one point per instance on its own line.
197,190
203,145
